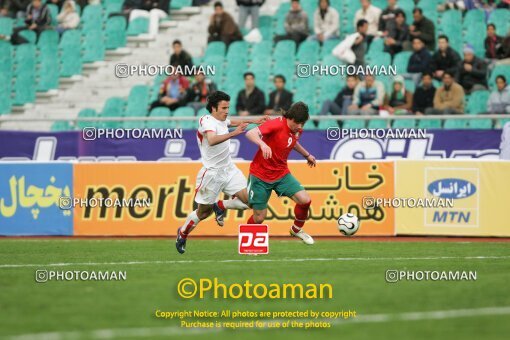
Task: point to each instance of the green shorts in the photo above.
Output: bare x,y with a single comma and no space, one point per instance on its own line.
259,191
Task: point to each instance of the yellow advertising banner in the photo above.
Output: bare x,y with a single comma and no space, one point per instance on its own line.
472,195
335,188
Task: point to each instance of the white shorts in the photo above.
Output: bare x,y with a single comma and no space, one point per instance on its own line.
211,182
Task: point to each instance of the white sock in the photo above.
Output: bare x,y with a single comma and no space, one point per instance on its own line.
190,224
235,203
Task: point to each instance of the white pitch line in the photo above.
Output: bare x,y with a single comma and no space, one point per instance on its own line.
65,264
143,332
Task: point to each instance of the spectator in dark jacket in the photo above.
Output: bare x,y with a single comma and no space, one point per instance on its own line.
201,88
388,16
249,8
472,72
397,35
280,98
18,8
250,101
423,97
493,43
499,100
424,29
180,57
419,62
445,59
222,26
343,99
296,24
37,19
5,8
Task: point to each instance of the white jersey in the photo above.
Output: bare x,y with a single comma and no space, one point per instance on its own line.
217,156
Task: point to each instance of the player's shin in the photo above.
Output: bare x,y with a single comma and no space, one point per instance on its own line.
190,224
301,214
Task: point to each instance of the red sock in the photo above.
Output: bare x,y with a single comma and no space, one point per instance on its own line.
251,220
301,213
221,205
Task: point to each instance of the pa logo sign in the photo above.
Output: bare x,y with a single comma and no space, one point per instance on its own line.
253,239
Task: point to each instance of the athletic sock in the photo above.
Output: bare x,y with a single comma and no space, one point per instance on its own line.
235,204
251,220
301,213
190,224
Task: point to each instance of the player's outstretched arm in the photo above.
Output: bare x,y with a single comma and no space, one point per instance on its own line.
214,139
258,121
312,162
255,137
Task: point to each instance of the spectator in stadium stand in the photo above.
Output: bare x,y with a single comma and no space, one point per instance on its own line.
180,57
423,28
152,10
250,100
173,92
359,48
423,97
18,8
280,98
249,8
504,4
326,23
199,90
222,26
505,54
400,101
499,100
68,18
37,19
419,62
444,59
397,35
5,8
372,15
296,24
368,97
472,72
387,18
493,43
448,99
343,99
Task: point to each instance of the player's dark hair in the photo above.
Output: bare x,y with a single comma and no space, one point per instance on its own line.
177,42
491,25
280,76
502,77
218,4
361,23
215,98
298,112
418,9
248,74
443,36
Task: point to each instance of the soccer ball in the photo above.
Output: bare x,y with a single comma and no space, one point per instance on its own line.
348,224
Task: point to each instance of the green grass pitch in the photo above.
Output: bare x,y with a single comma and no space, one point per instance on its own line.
356,269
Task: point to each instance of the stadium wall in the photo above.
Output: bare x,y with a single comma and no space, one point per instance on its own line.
30,198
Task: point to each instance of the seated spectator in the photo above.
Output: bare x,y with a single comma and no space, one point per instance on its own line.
499,100
18,8
326,22
180,57
249,8
505,51
280,98
367,98
199,90
173,92
463,5
5,8
38,18
222,26
504,4
153,10
68,18
472,72
424,29
359,48
448,99
371,14
419,62
250,101
343,99
445,59
397,35
493,43
296,24
400,101
423,97
388,17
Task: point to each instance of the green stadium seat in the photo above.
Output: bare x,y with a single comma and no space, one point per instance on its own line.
93,46
215,48
473,17
91,18
70,53
159,112
485,124
61,125
354,124
184,112
501,19
114,107
456,124
138,101
218,63
326,124
29,35
5,88
503,121
203,111
48,70
475,36
261,50
377,45
328,46
404,124
6,26
53,13
237,53
133,124
87,113
477,102
178,4
110,8
116,33
6,59
401,60
379,58
284,49
138,26
48,40
429,124
377,124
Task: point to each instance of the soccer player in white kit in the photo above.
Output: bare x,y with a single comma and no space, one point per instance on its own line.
219,173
